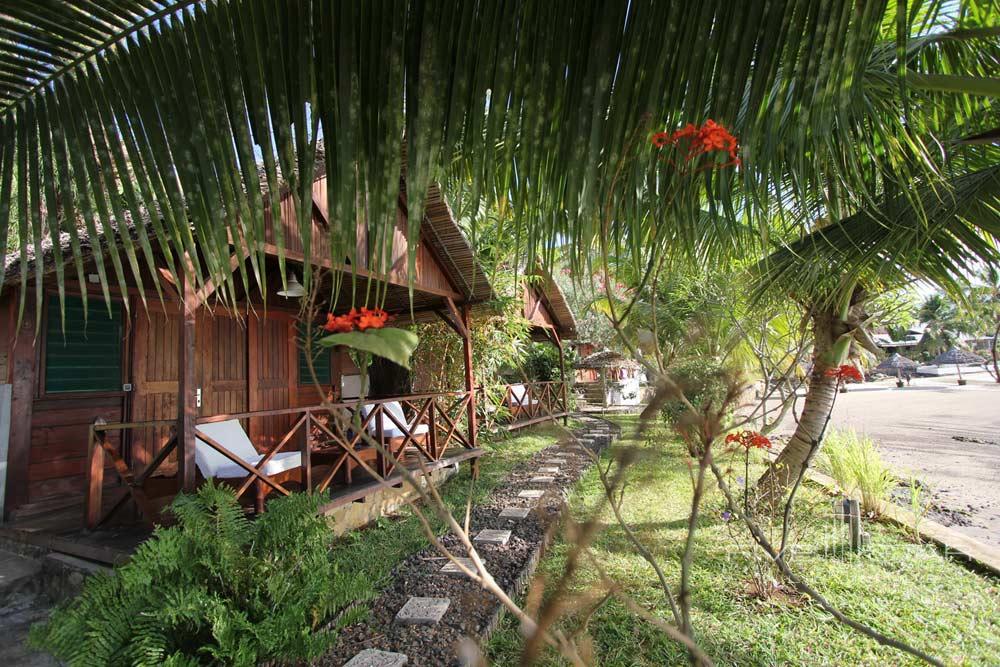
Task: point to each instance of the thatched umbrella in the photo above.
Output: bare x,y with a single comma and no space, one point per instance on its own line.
897,363
957,357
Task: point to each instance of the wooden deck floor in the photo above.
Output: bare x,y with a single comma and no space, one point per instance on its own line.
62,529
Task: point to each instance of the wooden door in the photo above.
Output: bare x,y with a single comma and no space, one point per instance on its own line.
221,363
154,379
273,375
220,368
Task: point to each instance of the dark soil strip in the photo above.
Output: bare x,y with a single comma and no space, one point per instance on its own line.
473,612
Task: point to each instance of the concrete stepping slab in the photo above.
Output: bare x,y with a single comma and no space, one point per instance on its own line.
371,657
422,611
553,470
451,568
492,537
531,493
515,513
542,479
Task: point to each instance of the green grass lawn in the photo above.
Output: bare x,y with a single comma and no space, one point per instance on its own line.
910,591
371,553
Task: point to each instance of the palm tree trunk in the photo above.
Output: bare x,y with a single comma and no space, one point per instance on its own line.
993,350
820,396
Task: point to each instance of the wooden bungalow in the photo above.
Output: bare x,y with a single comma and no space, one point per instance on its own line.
545,306
115,417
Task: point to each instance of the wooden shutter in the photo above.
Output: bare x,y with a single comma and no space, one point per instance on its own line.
89,356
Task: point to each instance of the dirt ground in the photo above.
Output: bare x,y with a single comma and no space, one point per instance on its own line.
945,435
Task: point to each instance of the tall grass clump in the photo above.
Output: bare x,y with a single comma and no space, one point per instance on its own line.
854,461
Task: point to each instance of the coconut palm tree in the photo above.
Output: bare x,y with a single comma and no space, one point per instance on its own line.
181,112
942,323
836,270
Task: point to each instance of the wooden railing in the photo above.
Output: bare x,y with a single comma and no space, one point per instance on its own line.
332,439
523,404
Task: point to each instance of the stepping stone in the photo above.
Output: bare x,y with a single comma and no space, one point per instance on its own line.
422,611
531,493
515,513
374,658
451,568
549,469
542,479
493,537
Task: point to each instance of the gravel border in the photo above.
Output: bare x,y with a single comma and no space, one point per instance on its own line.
473,612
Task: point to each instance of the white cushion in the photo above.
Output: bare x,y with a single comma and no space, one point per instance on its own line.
280,462
519,396
389,427
230,434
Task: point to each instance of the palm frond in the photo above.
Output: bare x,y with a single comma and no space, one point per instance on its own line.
177,115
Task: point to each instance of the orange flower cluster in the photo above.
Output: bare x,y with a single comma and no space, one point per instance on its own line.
844,373
365,318
709,138
749,440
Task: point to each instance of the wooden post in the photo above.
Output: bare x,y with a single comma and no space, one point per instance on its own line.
21,363
470,379
187,409
95,475
307,484
562,377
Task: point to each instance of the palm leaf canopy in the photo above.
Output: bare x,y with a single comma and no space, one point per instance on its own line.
170,110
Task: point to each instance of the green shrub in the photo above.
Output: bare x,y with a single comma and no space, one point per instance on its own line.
855,463
217,588
702,381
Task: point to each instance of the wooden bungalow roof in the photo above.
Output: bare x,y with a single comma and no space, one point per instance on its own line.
555,301
440,230
606,359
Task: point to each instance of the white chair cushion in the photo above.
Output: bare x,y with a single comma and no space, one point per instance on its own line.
389,427
519,396
230,434
280,462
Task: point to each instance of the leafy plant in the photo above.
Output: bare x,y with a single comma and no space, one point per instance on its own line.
854,461
702,381
216,588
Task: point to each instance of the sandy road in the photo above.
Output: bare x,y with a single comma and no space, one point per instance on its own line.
947,436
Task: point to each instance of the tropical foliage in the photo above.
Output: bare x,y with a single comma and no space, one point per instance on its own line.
175,115
216,588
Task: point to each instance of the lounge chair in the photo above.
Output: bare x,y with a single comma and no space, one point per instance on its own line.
394,438
390,428
213,464
519,400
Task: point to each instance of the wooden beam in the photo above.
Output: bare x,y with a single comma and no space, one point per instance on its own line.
272,249
470,378
187,409
209,286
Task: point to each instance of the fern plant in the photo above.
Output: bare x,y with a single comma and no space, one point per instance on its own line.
216,588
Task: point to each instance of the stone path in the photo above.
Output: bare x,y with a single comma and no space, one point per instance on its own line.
509,529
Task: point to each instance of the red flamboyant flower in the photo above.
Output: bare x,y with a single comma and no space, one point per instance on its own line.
749,440
338,323
362,320
661,139
709,138
375,318
844,373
